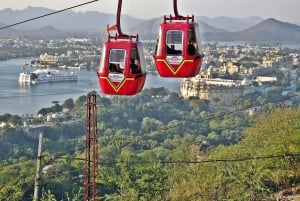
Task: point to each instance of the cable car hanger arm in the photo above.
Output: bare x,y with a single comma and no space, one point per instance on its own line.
177,16
117,26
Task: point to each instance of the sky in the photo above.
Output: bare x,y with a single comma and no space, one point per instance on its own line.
284,10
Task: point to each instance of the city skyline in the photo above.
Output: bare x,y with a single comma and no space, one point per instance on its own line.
284,10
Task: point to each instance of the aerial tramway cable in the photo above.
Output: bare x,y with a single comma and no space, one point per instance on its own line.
227,112
52,13
196,121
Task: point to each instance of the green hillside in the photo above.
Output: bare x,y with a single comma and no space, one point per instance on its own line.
146,152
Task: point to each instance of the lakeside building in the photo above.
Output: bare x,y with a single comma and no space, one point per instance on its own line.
214,84
229,79
224,90
212,89
68,60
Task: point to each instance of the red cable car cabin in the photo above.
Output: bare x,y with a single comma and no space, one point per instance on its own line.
122,67
177,51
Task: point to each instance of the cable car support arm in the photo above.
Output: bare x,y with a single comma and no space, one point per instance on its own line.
120,34
177,16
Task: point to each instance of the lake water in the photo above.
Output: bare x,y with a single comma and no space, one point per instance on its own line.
22,100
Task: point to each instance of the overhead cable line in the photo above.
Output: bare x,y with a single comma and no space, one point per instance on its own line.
263,157
285,155
27,188
185,123
64,173
52,13
181,124
223,113
212,160
238,159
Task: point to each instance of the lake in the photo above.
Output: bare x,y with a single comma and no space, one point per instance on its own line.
23,100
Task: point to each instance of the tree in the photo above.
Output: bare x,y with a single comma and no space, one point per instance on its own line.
103,101
16,120
43,111
150,124
79,102
13,119
69,104
47,196
56,108
134,179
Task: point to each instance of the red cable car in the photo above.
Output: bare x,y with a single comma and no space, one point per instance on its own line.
122,67
178,46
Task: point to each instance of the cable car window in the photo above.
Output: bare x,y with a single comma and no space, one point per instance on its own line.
102,61
174,42
158,47
141,57
117,60
192,43
133,53
198,38
134,61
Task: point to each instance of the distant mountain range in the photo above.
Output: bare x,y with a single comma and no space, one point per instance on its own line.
212,29
269,30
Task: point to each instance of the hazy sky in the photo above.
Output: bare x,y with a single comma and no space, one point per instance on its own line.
284,10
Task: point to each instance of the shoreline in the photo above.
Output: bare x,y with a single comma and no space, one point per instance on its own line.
22,100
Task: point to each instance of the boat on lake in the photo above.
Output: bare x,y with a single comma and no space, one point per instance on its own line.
46,75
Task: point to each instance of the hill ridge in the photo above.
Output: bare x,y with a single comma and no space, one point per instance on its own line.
212,29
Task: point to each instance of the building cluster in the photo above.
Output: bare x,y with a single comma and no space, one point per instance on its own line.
70,59
80,53
235,71
227,71
69,52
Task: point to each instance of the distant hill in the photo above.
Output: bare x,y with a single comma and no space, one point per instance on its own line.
68,20
270,30
230,23
47,32
212,29
3,25
7,31
97,21
148,29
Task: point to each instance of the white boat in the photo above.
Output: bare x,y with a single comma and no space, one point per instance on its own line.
46,75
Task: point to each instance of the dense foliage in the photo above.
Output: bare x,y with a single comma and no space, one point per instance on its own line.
145,150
